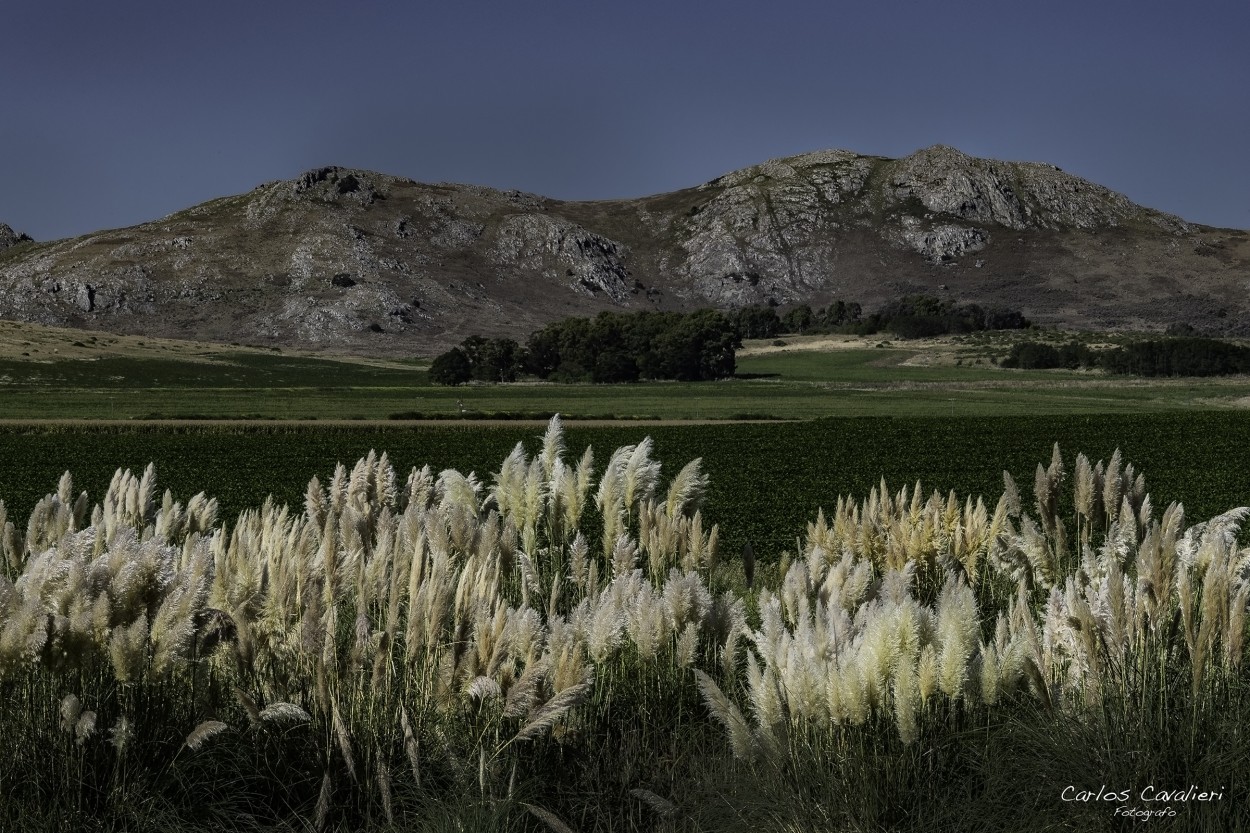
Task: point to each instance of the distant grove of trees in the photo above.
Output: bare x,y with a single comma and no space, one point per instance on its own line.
1158,357
617,347
695,346
912,316
611,347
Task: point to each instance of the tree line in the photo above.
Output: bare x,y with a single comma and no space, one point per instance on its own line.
912,316
611,347
694,346
1154,357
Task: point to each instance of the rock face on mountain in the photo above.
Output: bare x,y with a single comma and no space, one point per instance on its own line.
356,261
10,238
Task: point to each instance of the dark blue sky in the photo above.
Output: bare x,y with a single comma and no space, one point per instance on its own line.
112,113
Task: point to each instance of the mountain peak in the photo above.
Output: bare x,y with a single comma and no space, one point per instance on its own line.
1015,195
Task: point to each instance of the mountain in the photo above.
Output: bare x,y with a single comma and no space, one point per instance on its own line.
361,262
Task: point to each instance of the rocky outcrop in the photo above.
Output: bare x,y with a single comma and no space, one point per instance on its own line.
9,237
762,233
1015,195
586,262
942,243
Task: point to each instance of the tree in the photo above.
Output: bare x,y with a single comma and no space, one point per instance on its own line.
498,360
451,368
797,320
700,346
757,322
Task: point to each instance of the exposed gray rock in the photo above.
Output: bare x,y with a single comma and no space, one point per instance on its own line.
589,262
946,181
771,221
86,298
9,237
1017,195
340,184
944,243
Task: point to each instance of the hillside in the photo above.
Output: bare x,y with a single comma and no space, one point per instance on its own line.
361,262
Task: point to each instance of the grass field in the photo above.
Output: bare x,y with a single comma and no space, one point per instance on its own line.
58,374
767,480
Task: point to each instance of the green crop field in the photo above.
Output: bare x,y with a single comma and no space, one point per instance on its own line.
767,479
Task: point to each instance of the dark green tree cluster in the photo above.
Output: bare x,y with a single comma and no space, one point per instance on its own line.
1178,357
1034,355
913,316
921,316
483,359
835,317
618,347
611,347
1159,357
757,322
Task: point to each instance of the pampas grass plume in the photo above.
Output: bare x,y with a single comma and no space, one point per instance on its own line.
724,710
548,818
284,713
554,709
70,709
201,733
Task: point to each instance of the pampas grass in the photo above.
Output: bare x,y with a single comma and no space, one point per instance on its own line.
203,732
496,637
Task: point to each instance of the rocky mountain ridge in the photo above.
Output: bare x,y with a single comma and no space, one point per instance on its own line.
357,261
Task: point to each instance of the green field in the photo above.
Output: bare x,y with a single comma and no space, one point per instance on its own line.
767,480
802,387
126,378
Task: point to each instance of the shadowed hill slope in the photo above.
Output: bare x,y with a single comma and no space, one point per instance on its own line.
362,262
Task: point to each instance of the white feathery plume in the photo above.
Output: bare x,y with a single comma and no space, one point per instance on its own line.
71,708
456,489
624,555
420,487
724,710
284,713
553,446
687,489
483,689
553,822
639,476
550,712
204,731
906,700
686,645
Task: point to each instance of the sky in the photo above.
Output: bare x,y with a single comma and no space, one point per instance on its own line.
115,113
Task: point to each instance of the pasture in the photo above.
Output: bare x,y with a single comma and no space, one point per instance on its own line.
66,375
